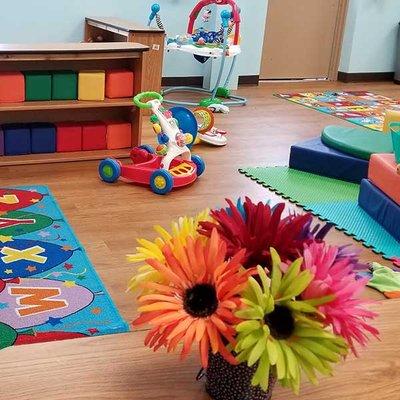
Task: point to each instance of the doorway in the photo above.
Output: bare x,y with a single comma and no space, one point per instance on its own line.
303,39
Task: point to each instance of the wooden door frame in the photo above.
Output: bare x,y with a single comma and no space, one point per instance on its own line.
338,40
337,44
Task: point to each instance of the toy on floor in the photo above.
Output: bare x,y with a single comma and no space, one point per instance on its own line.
208,133
395,132
172,166
204,44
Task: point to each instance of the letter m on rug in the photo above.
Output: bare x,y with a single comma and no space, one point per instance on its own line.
36,300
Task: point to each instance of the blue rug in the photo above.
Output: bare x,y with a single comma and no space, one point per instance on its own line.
49,289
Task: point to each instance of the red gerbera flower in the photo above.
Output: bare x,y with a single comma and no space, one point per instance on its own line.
259,227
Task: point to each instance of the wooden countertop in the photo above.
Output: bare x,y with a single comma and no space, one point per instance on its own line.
121,24
119,367
54,48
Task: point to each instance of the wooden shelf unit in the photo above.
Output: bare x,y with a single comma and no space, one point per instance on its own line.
73,56
122,30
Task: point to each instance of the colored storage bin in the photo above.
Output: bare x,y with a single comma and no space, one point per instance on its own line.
37,86
119,135
43,138
91,85
12,87
69,137
1,142
383,174
17,139
65,85
94,136
119,83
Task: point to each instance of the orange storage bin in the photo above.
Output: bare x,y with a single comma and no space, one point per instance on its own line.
119,83
119,135
12,87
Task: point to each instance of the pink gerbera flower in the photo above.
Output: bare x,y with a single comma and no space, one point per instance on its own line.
334,275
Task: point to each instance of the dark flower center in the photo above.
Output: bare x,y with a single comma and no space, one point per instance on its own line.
280,322
200,301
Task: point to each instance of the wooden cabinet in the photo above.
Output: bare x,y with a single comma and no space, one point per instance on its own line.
120,30
73,56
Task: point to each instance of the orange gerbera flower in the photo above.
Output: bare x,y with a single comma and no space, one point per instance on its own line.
198,300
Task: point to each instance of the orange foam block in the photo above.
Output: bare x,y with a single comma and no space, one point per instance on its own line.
383,174
12,87
119,135
119,83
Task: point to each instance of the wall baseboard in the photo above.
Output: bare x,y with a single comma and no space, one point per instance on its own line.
198,80
365,76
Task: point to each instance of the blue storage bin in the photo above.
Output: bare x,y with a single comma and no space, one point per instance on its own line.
17,139
43,138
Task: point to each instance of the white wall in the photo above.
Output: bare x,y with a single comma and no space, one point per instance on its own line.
370,39
30,21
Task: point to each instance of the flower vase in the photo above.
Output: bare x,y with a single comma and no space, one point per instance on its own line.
225,381
395,132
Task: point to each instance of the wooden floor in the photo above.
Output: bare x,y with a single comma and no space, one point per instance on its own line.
108,218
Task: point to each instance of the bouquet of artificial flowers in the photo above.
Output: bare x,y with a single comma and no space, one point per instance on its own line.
263,296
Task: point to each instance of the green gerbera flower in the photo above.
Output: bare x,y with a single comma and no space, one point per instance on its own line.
283,334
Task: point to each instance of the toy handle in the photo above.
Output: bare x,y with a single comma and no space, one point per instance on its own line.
155,9
147,95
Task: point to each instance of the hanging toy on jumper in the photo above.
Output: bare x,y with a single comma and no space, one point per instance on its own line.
155,14
203,44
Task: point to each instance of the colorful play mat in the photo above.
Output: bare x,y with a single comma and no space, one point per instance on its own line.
331,200
361,108
49,289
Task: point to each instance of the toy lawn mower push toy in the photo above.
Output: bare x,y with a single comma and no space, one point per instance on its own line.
172,166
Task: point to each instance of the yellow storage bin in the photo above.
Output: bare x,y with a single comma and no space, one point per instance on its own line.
91,85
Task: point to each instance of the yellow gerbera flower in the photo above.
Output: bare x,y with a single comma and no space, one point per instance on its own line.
181,230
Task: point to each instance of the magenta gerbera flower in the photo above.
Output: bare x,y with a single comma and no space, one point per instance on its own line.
259,227
334,275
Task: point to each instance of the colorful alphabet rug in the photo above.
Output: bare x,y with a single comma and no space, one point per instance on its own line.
361,108
49,289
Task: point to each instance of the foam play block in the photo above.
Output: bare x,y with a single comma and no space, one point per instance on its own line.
380,207
43,138
314,157
12,87
91,85
69,137
1,142
119,135
17,139
390,116
37,85
395,133
119,83
65,85
94,136
358,142
383,174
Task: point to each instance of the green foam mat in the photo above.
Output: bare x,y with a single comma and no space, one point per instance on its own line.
331,200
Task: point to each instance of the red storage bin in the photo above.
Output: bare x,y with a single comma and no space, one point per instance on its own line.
119,135
69,137
94,136
119,83
12,87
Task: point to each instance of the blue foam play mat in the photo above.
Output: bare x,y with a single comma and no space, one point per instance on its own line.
49,289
